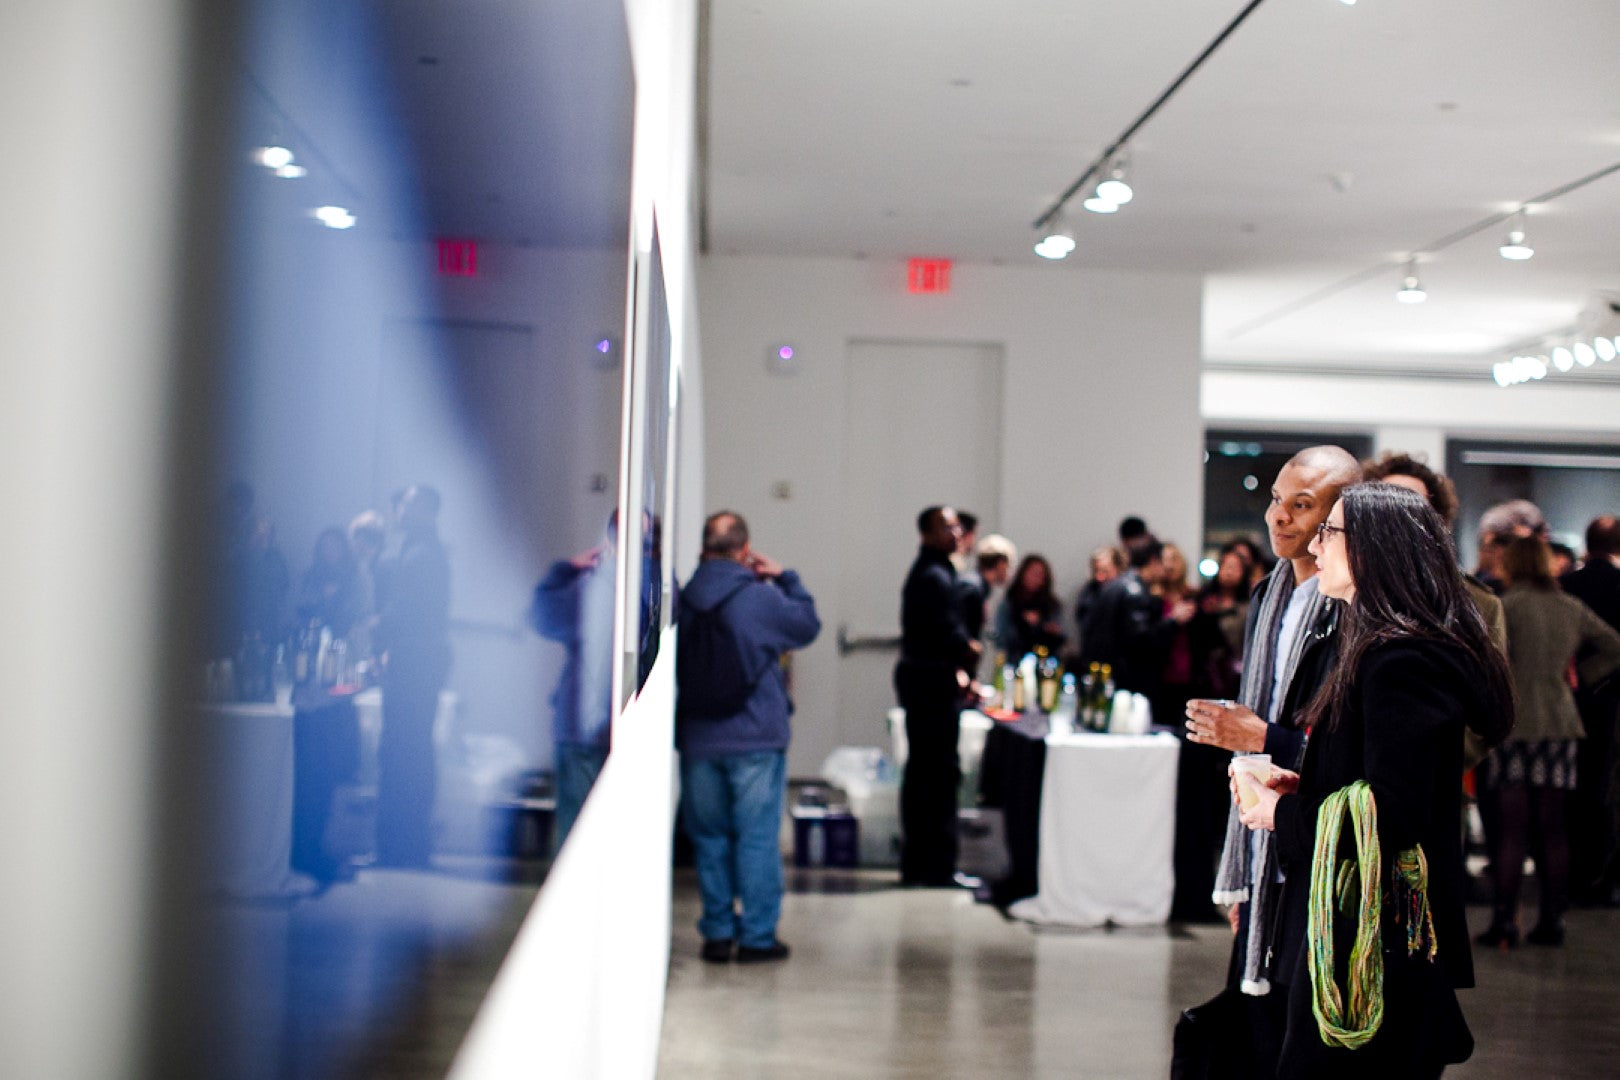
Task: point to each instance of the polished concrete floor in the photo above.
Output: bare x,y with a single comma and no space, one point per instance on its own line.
894,983
376,977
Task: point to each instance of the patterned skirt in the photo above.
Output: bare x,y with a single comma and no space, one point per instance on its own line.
1548,763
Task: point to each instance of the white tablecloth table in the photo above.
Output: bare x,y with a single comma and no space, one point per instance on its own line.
1108,823
970,738
249,790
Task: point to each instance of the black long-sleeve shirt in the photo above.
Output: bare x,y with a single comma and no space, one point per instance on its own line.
932,632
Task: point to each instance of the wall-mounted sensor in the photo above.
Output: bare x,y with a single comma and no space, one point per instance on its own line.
782,359
605,352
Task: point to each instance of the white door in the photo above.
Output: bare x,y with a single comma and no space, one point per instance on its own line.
922,425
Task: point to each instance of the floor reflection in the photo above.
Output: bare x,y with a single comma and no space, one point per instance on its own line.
379,976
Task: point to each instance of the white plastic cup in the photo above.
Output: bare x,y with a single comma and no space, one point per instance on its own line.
1251,772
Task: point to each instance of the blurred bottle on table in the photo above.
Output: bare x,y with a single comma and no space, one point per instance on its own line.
1068,703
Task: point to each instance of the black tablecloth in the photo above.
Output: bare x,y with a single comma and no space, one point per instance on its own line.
1010,780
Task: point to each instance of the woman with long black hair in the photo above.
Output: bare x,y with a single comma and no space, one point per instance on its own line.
1373,941
1028,616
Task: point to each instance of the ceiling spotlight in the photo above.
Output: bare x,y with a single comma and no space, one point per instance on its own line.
1099,205
1605,348
1514,247
1563,359
1411,290
1114,189
292,172
273,157
1584,354
333,217
1058,241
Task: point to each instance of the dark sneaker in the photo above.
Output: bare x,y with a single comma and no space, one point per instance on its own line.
776,950
717,952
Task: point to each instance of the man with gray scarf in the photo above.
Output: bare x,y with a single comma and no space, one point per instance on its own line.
1288,649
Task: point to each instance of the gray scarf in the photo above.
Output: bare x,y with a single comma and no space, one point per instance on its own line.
1248,870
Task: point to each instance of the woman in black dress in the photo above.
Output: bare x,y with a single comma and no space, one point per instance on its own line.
1416,665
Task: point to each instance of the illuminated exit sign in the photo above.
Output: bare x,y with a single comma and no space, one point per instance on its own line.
929,275
458,258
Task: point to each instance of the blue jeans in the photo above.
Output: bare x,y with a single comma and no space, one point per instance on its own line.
577,769
732,807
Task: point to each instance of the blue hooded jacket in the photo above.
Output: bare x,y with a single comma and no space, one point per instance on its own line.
767,618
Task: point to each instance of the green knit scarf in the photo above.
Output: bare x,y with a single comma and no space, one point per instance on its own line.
1353,1025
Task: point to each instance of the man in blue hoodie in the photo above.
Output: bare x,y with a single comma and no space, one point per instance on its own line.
743,610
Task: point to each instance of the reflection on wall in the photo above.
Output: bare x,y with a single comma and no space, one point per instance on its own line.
411,594
658,402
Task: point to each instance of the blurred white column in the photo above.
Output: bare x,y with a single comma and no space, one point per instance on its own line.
89,113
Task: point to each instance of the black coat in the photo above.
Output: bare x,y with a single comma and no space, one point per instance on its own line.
934,641
1127,630
1401,731
1597,585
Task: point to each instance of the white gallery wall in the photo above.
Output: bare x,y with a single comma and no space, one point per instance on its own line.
1415,413
1099,418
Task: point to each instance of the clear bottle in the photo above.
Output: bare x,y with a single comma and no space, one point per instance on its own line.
325,669
1068,703
1050,686
281,677
304,655
1028,684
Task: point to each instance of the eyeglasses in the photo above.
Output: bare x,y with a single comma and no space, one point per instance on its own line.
1325,531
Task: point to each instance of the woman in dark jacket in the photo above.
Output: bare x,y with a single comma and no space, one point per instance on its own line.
1028,617
330,591
1416,665
1216,632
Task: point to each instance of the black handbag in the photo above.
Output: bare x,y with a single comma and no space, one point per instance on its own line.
1214,1041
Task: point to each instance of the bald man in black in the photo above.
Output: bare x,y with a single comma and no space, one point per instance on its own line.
936,653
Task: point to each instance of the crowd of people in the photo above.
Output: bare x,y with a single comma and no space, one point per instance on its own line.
971,604
377,595
1386,687
1375,673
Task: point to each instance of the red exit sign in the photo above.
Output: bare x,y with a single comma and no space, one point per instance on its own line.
458,258
929,275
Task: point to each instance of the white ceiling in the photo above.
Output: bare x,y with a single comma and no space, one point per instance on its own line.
509,121
946,127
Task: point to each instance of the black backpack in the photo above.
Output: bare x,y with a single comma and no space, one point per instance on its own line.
711,670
